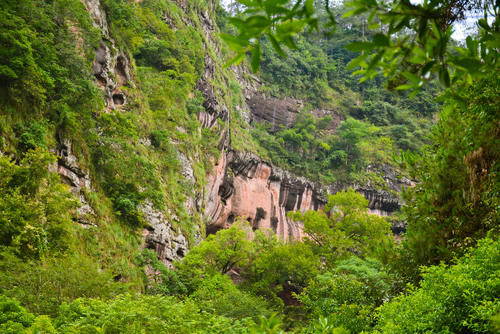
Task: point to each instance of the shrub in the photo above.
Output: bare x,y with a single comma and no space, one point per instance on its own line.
461,298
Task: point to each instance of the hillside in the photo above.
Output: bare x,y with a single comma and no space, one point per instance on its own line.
147,187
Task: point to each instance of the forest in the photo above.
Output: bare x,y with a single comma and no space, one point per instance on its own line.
124,210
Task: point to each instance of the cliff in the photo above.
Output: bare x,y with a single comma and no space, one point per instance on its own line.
238,184
247,186
143,117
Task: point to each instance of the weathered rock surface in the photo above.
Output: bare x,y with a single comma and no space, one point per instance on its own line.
111,66
263,194
79,180
240,184
160,236
274,111
282,112
111,70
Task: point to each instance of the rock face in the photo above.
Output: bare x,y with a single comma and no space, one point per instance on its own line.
240,184
253,189
78,179
168,243
112,72
261,194
111,66
274,111
281,112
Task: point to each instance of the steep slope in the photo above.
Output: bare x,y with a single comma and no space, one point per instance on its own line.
152,133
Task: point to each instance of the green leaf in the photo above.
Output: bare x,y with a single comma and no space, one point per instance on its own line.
309,6
411,77
381,40
248,3
276,45
359,46
405,87
427,67
355,11
255,58
289,42
422,28
470,64
237,22
257,21
291,27
234,42
483,24
235,60
358,61
444,76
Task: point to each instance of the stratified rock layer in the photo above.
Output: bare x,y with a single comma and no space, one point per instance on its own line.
250,188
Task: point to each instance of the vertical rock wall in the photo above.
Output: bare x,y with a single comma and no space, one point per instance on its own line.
254,190
240,184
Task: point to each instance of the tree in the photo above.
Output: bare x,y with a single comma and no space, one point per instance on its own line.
411,43
461,298
344,227
456,202
348,294
36,208
217,254
351,132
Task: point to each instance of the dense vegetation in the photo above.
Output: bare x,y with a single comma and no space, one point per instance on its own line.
376,123
49,96
61,274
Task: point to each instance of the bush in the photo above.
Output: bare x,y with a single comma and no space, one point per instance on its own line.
129,314
220,296
13,317
64,278
461,298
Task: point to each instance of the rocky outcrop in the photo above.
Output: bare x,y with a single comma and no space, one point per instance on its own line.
240,184
111,70
78,179
255,190
111,66
280,113
274,111
260,193
160,236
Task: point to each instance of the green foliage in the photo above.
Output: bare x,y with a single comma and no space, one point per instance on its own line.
48,93
269,325
13,317
278,22
63,278
302,75
279,267
456,202
410,59
324,326
347,296
35,211
220,296
34,71
410,43
309,149
349,229
342,299
461,298
31,136
145,314
163,280
316,72
217,254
